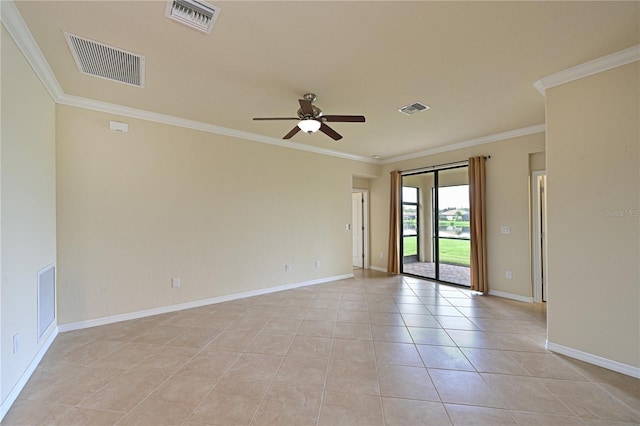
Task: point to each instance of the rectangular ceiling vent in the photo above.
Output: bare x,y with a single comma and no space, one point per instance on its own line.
413,108
193,13
104,61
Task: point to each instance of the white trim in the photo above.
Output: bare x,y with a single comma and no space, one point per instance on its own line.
17,388
42,333
194,304
365,224
379,269
16,27
629,370
586,69
90,104
19,31
510,296
539,128
536,248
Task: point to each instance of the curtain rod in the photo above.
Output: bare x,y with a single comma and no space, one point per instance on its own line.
439,167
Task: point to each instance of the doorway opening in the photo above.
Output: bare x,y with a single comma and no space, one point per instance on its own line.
435,239
360,228
539,234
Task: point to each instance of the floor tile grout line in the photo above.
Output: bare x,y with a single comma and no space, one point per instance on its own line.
195,408
171,376
221,376
395,290
599,385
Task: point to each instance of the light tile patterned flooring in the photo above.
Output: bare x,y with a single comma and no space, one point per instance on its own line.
373,350
455,274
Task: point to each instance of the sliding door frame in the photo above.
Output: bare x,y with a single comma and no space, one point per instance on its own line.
435,216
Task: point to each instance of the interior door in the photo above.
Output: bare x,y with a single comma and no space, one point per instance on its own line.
539,236
356,229
543,235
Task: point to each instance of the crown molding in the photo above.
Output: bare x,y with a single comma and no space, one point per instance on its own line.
90,104
17,29
539,128
586,69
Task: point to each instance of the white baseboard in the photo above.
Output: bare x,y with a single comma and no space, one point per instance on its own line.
629,370
195,304
511,296
13,395
379,269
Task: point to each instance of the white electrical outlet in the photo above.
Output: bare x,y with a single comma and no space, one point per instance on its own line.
317,263
509,275
505,229
16,344
175,282
287,267
381,255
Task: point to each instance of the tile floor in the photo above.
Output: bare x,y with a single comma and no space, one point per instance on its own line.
455,274
373,350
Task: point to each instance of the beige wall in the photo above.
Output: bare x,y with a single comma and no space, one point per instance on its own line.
593,176
507,204
537,161
224,215
27,226
360,183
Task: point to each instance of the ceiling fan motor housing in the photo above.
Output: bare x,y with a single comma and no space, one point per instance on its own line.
317,112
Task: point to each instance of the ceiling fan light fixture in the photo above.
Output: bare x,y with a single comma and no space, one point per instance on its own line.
309,125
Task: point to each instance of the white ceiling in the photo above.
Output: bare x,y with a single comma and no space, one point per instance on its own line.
474,63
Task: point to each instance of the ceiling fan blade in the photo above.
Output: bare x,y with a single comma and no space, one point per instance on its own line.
306,107
330,132
344,118
277,118
291,133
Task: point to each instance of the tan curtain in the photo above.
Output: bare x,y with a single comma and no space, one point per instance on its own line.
477,207
395,219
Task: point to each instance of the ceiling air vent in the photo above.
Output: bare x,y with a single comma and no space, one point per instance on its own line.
193,13
413,108
102,60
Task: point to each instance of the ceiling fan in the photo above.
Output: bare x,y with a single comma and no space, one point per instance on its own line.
311,119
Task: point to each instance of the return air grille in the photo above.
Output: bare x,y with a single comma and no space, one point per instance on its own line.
101,60
193,13
46,299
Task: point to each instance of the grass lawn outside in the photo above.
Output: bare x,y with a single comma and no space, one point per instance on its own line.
410,246
455,252
452,251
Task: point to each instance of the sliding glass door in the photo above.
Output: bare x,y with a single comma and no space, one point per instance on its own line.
410,241
436,236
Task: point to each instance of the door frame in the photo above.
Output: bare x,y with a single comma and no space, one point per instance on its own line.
538,236
435,218
365,225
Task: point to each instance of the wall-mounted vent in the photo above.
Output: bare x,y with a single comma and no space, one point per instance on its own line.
46,299
101,60
193,13
413,108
